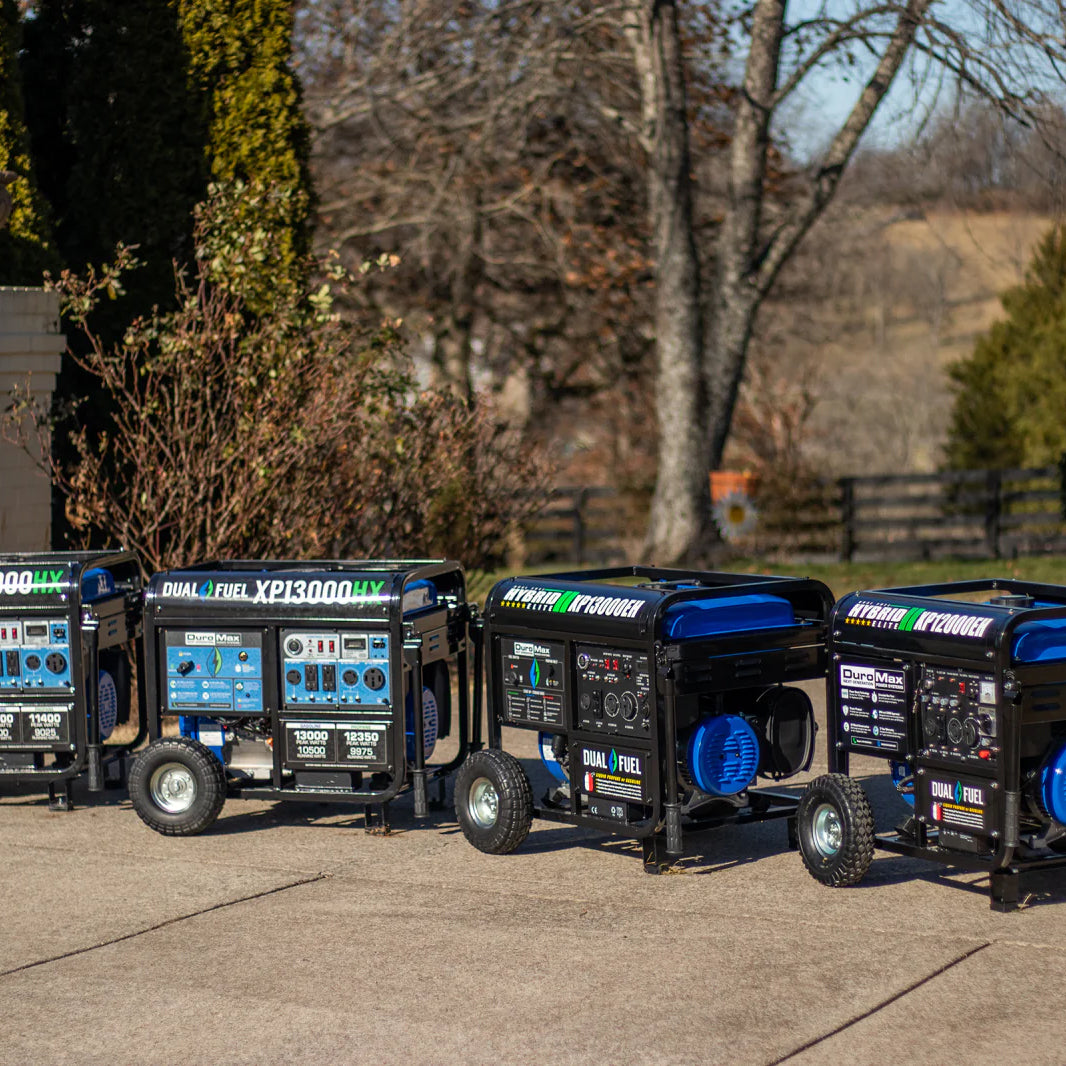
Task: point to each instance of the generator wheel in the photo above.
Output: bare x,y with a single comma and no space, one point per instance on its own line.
493,801
836,830
177,786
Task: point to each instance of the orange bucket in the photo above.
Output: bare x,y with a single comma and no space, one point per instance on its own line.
723,482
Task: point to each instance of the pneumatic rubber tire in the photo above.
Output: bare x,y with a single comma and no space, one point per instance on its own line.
836,830
177,786
493,801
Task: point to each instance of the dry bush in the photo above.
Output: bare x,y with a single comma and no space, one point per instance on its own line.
284,433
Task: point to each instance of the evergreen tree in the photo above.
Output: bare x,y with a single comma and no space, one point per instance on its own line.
256,136
26,242
116,135
1011,393
137,105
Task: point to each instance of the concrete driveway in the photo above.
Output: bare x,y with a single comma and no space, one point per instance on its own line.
288,934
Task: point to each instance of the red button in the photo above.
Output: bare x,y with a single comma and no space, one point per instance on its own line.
984,753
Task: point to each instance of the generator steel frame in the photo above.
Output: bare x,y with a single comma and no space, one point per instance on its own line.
724,662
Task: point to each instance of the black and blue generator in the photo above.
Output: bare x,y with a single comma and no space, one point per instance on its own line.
322,681
659,698
68,621
959,689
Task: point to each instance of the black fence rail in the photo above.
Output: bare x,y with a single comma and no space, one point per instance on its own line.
985,513
579,526
978,513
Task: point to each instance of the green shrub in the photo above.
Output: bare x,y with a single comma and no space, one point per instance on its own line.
26,241
1011,392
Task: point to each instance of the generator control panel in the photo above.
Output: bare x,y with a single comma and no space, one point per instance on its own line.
958,716
613,690
534,681
34,655
212,671
334,668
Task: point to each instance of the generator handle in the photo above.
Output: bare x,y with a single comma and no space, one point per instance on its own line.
477,639
671,804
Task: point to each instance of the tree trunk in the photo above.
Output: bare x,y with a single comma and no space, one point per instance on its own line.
453,345
681,502
748,258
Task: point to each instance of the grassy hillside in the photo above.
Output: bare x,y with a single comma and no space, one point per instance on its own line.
870,315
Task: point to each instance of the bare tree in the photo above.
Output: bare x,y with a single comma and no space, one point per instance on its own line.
506,153
1009,51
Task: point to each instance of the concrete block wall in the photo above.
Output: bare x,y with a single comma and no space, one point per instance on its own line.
30,350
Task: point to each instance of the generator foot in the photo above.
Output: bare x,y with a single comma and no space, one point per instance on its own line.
1004,890
116,772
376,819
653,857
60,798
793,834
438,802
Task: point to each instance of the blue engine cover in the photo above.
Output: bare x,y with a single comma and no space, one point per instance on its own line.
208,731
901,772
692,619
430,720
723,755
1053,785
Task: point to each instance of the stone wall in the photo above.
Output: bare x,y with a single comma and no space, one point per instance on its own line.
30,348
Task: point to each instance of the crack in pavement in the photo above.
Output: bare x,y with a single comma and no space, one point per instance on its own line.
880,1006
162,925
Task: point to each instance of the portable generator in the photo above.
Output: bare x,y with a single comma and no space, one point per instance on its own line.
66,619
323,681
961,688
658,697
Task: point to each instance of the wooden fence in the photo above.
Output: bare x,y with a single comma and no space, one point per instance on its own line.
985,513
979,513
579,526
